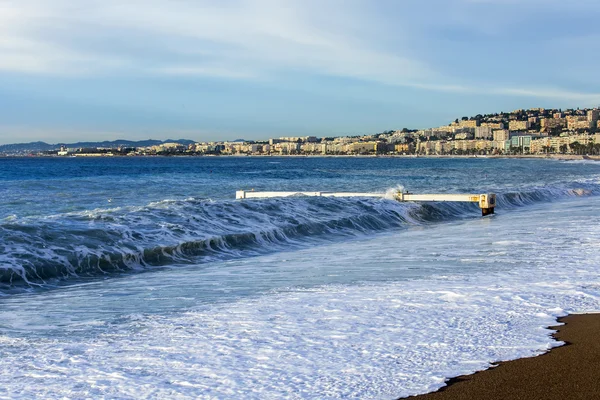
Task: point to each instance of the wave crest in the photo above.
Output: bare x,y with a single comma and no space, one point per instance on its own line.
34,251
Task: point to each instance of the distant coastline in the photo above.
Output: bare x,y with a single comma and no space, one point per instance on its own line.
535,132
562,157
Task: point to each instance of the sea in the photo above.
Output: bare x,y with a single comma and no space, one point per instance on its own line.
144,277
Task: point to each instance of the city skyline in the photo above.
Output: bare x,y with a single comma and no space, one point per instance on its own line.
255,69
526,132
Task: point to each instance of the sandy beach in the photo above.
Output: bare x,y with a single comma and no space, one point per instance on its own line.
571,371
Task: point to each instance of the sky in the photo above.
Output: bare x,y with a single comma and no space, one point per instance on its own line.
74,70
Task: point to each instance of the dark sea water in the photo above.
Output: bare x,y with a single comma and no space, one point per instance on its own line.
144,277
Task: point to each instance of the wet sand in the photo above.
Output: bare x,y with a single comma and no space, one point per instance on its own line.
568,372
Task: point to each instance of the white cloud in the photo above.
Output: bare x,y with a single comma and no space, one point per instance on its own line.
26,43
245,37
587,99
229,39
216,72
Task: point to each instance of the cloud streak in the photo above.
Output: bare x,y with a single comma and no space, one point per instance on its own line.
235,39
250,38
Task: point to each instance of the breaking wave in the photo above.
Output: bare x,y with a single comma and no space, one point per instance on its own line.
36,251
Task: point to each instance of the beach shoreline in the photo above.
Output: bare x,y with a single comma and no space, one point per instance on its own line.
570,371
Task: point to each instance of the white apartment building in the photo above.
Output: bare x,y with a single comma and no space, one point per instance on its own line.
484,132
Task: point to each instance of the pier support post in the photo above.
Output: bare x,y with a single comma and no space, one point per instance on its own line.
487,211
487,202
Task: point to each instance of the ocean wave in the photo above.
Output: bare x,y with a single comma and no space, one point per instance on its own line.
38,250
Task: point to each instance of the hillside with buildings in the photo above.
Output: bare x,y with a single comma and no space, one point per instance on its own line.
533,131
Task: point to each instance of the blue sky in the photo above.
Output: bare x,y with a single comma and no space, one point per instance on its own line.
216,70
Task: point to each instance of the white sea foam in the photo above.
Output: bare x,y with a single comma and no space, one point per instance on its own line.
582,161
370,341
390,194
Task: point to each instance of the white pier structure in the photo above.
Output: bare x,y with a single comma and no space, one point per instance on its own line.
486,201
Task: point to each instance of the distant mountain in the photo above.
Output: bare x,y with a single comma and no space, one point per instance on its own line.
43,146
25,147
180,141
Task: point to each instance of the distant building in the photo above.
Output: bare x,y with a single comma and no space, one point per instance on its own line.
493,125
426,147
555,144
578,122
402,148
286,148
484,132
299,139
465,145
520,142
443,147
473,123
500,135
548,124
427,133
367,147
519,125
